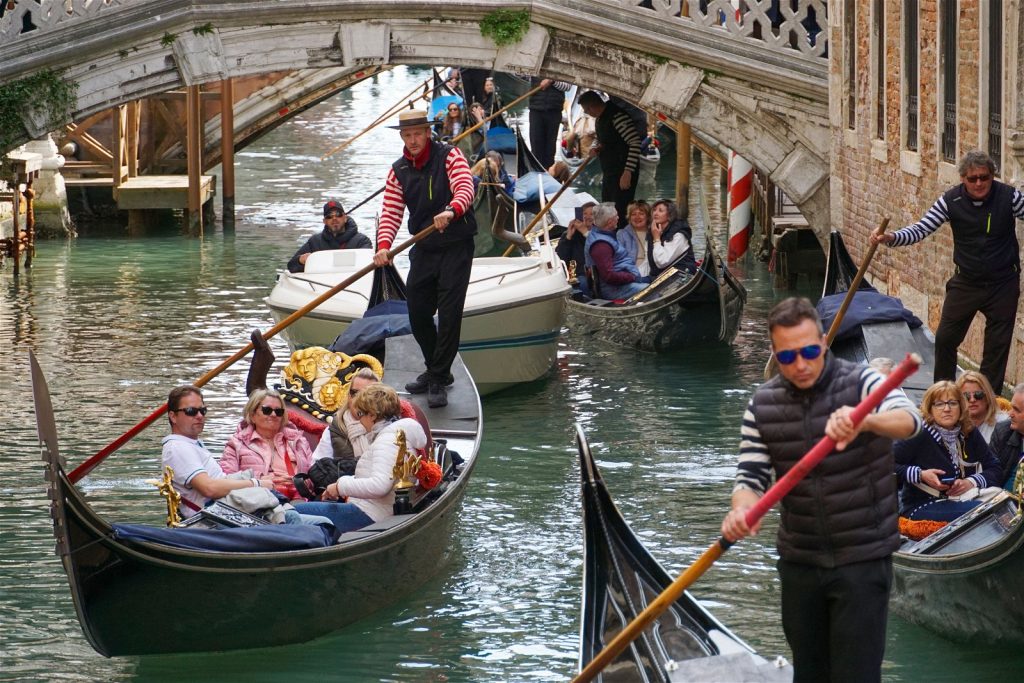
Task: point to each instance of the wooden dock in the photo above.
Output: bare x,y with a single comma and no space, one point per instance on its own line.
161,192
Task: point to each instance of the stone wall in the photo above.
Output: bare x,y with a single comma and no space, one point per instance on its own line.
876,176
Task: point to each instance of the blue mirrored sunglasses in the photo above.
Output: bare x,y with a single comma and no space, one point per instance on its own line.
788,356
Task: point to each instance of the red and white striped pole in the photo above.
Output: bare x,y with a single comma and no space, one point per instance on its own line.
741,179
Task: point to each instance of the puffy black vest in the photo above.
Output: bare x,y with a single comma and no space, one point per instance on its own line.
426,193
985,245
548,99
844,511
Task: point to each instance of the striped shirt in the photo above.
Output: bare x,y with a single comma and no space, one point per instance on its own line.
939,214
624,126
460,179
754,470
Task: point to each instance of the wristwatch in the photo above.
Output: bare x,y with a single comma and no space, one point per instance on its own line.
449,207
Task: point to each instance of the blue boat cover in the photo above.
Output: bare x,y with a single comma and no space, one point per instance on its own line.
386,319
271,538
528,189
867,306
501,139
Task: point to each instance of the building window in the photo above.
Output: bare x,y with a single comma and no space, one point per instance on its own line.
910,70
878,15
850,48
947,68
994,127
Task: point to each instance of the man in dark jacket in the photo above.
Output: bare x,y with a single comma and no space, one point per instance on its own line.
986,278
838,528
546,107
1007,442
618,144
340,232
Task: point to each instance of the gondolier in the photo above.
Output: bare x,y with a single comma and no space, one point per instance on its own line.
839,525
618,151
433,180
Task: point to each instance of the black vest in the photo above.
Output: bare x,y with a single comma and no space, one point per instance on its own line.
548,99
614,150
985,245
426,193
844,511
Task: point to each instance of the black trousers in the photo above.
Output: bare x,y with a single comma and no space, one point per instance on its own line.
437,283
611,192
544,134
834,620
997,301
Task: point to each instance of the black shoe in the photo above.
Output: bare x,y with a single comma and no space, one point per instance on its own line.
419,386
437,396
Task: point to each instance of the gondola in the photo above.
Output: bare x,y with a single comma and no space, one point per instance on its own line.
676,311
139,590
875,325
620,578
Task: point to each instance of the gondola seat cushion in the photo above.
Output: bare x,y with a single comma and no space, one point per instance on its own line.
272,538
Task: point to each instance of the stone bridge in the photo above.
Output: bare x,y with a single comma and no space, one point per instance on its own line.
753,79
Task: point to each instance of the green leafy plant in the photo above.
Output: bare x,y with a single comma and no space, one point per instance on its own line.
168,39
204,30
44,93
505,26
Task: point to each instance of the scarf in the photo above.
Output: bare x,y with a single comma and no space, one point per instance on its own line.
950,438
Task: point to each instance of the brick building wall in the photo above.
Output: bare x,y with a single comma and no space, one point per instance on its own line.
874,175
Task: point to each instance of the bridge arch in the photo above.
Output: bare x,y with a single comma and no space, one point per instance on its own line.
764,100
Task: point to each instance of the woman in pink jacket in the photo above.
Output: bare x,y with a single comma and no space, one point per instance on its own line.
266,444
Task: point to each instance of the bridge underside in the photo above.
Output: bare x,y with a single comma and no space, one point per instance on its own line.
783,130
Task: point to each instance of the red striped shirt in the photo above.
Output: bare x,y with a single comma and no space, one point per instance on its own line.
460,180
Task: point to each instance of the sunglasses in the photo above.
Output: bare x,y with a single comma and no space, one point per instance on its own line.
360,414
788,356
976,395
335,215
191,411
946,404
268,411
978,178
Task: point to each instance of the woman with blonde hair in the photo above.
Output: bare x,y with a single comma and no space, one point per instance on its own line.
267,444
941,469
635,235
981,402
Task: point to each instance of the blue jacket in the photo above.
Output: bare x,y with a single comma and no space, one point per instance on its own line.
621,261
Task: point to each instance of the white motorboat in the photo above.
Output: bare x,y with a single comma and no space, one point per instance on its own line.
515,309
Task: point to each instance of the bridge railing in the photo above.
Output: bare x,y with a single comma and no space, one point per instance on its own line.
800,25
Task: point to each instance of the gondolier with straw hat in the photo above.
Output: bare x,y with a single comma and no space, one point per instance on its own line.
433,181
839,525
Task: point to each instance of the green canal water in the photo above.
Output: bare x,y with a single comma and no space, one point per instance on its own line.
115,321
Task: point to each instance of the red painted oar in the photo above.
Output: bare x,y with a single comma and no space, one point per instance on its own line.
754,514
89,464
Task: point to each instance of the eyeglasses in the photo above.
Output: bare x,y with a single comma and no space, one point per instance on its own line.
976,395
191,411
268,411
978,178
788,356
939,405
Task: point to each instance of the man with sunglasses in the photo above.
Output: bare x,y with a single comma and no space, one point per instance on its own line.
838,528
340,232
986,258
197,476
1008,439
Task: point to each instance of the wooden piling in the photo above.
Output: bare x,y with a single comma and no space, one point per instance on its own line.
227,152
194,151
684,152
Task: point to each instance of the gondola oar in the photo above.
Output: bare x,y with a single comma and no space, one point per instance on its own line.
770,367
388,113
89,464
544,209
773,495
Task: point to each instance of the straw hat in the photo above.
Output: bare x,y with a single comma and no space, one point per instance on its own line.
412,118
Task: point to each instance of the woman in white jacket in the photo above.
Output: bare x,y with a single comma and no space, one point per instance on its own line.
368,496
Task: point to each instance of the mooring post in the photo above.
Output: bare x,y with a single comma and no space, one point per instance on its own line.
683,153
15,228
30,219
227,152
194,151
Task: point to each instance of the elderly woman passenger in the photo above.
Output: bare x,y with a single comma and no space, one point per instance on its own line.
947,458
267,444
981,402
368,495
634,236
670,243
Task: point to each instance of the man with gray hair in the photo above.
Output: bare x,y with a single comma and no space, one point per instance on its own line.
611,271
986,255
1007,440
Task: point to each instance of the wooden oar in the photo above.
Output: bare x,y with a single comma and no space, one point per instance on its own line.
89,464
770,367
540,214
382,118
753,515
463,134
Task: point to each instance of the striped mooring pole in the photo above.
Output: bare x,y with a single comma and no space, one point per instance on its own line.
741,178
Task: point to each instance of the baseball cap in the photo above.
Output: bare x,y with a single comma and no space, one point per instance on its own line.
333,207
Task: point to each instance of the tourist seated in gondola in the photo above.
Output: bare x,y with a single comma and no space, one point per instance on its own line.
1008,441
634,236
345,438
981,402
671,239
266,444
560,172
368,495
507,181
941,470
451,124
571,246
611,272
340,232
487,170
492,102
